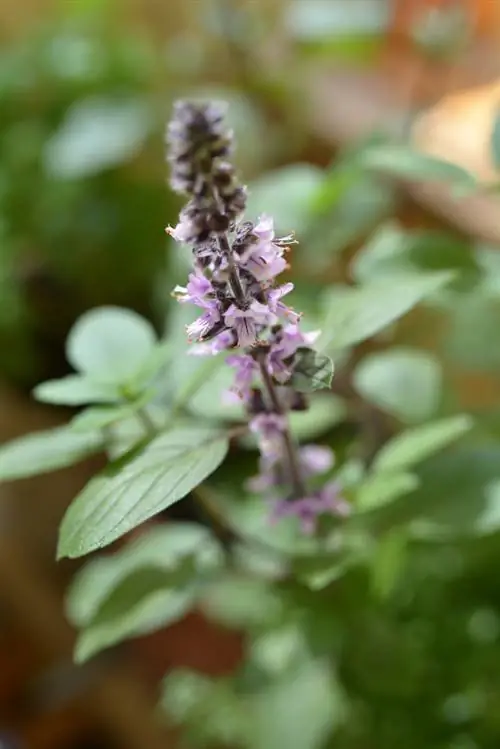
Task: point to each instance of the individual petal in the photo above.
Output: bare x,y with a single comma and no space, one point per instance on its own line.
264,229
315,459
202,326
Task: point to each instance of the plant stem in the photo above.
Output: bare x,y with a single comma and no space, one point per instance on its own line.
288,443
234,279
147,422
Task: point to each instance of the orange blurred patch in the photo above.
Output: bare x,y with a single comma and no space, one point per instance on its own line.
459,128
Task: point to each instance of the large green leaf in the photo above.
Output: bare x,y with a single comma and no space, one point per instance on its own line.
144,605
97,133
380,489
404,382
75,390
110,344
415,445
354,314
119,500
297,711
164,548
42,452
399,160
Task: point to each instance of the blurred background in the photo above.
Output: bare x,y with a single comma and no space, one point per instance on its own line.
86,87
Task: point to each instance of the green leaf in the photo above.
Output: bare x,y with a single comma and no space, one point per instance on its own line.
394,250
355,314
110,344
240,602
488,520
75,390
298,711
312,371
495,140
286,194
42,452
404,382
100,417
406,163
137,612
112,504
380,489
388,564
164,548
96,134
414,445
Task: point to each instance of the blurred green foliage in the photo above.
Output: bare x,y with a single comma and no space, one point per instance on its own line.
391,641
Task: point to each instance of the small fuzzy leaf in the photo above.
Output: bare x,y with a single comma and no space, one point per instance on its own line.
42,452
414,445
312,371
110,344
114,503
75,390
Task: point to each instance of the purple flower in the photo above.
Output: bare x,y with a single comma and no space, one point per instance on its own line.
183,231
246,368
247,322
274,297
315,459
308,509
218,344
264,261
264,230
202,326
198,288
268,429
332,500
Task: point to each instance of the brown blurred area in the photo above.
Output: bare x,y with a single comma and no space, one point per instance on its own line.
46,702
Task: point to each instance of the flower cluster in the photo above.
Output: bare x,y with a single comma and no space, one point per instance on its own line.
242,309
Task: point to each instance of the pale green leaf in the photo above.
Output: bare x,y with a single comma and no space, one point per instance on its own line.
379,489
163,548
100,417
75,390
165,471
42,452
407,163
388,563
97,133
110,344
298,711
488,520
415,445
241,602
355,314
136,617
404,382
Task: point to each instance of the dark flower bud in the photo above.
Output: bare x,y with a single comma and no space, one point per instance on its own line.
256,404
